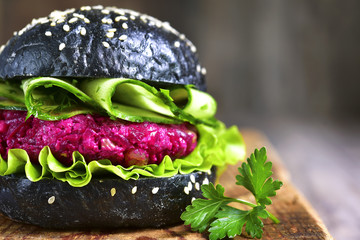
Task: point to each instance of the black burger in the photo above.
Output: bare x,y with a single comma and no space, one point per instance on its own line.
105,122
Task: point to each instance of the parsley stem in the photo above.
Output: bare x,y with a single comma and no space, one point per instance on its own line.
272,217
250,204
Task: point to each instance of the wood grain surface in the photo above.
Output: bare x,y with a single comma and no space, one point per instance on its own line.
298,219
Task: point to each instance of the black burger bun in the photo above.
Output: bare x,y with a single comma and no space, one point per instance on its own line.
94,42
103,203
97,42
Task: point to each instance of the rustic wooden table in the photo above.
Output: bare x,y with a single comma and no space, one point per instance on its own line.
322,156
298,219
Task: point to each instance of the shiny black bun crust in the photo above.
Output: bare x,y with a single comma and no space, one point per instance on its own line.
105,203
95,42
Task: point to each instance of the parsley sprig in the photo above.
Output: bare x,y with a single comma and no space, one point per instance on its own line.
214,214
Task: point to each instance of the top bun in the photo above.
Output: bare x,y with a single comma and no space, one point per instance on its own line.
95,42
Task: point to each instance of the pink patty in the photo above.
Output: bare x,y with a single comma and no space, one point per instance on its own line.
96,137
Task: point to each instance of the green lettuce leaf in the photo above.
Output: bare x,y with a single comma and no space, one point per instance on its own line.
11,97
216,147
12,105
54,99
12,92
132,100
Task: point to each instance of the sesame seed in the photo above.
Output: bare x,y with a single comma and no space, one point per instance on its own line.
104,20
85,8
66,28
81,16
51,200
42,20
99,7
86,20
208,171
186,190
83,31
155,190
118,18
159,24
143,18
206,181
193,199
190,186
134,190
68,11
74,19
193,48
60,14
113,192
182,36
197,186
203,71
106,44
125,26
61,46
105,11
135,13
132,17
61,20
2,48
112,30
166,26
192,178
120,11
198,68
177,44
48,33
123,37
110,34
53,24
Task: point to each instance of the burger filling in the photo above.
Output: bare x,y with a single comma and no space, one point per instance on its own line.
72,130
96,137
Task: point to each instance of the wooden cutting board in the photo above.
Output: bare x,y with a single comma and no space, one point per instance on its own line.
298,218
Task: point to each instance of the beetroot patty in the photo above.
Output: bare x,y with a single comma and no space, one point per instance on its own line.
95,137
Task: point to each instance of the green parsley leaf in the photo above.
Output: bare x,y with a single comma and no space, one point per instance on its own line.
255,176
230,222
202,211
221,220
254,224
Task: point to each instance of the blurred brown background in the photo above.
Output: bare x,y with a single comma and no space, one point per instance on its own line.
288,68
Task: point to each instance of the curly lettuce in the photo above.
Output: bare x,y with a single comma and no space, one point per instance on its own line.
53,99
216,147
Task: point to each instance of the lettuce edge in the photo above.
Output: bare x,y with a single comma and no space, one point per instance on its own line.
216,147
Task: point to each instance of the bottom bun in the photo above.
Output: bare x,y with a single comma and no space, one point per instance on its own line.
103,203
